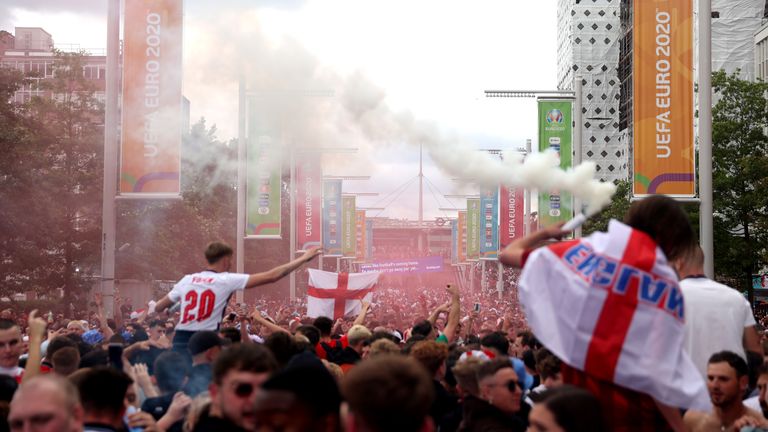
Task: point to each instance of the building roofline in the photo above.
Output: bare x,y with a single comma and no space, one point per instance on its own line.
34,28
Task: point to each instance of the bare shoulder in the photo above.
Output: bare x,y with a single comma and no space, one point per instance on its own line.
698,421
755,414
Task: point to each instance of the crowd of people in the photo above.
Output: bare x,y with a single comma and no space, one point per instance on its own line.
430,358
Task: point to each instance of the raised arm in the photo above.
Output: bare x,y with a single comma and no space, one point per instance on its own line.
106,332
36,334
512,255
453,313
438,310
281,271
257,318
363,311
163,304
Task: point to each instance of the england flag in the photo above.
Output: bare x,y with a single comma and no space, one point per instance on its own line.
336,295
610,305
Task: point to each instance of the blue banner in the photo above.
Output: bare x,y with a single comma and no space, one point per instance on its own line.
332,217
420,265
489,231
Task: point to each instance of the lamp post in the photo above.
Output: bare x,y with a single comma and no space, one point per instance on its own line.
576,96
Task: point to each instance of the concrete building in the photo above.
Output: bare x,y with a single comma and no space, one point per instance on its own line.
588,49
761,52
31,51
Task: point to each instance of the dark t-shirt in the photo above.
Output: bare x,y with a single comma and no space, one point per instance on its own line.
216,424
199,378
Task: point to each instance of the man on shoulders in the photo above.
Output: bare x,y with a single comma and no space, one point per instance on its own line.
717,317
204,295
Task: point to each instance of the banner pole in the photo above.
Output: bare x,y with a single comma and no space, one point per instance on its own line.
240,229
108,210
292,216
705,135
577,137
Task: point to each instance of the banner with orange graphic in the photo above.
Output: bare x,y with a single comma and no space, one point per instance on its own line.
664,154
151,110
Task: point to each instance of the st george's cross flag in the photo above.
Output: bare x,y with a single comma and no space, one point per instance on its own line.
610,305
336,295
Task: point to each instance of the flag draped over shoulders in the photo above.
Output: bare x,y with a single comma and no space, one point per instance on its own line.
336,295
610,305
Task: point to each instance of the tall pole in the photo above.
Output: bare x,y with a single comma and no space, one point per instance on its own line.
705,135
577,137
528,228
240,229
499,279
421,197
108,211
292,246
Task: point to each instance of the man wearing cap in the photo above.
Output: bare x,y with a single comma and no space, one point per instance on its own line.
205,295
204,346
303,396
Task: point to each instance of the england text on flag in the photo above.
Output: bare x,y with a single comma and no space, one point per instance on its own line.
610,305
336,295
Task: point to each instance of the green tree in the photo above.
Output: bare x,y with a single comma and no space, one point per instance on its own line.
740,165
51,191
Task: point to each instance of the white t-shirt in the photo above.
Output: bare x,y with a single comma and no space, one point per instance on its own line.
715,318
203,298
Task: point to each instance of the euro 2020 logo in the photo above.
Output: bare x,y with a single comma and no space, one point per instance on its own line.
554,116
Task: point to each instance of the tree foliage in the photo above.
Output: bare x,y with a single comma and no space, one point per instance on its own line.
51,181
740,181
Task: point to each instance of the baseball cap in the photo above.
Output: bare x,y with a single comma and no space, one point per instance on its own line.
204,340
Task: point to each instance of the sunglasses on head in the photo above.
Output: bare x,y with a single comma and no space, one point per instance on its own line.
244,390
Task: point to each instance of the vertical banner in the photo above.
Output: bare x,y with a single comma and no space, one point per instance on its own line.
332,217
454,242
264,181
368,239
151,111
348,218
664,154
461,227
473,229
309,178
489,232
555,128
512,214
360,234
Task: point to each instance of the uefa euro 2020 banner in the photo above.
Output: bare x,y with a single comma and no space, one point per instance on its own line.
151,111
555,129
664,155
512,214
263,175
489,223
360,235
348,221
461,227
473,229
332,217
309,178
454,242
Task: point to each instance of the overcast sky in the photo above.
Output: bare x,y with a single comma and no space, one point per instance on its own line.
432,58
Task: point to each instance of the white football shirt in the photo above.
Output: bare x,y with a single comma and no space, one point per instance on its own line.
203,298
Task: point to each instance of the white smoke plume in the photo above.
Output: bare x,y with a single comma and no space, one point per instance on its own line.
290,83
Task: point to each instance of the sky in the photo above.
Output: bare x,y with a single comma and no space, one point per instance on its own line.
429,60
